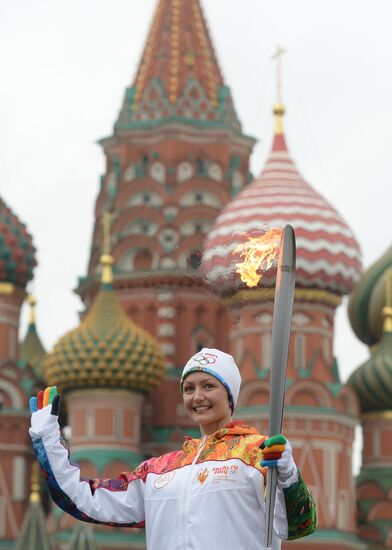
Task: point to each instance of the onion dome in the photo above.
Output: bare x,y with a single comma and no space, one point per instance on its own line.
31,349
328,256
17,253
368,299
372,381
106,350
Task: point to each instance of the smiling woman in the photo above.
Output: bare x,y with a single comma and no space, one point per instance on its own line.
206,402
209,494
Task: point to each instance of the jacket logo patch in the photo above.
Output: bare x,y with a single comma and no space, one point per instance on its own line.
163,480
218,474
202,475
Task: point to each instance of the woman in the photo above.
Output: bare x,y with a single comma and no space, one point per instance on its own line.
207,496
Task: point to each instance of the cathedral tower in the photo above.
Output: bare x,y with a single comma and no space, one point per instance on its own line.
17,380
176,156
320,413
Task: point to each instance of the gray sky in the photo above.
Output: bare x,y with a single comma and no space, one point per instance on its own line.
64,68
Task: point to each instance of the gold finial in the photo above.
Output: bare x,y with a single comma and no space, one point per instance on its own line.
387,310
278,109
106,258
32,302
35,485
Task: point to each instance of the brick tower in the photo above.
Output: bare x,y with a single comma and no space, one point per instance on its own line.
17,380
176,157
370,310
320,413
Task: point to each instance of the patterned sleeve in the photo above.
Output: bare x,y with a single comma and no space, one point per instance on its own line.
116,502
300,510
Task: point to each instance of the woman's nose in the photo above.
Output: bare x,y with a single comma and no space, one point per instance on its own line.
198,395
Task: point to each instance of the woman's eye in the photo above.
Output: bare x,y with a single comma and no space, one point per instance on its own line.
209,386
188,389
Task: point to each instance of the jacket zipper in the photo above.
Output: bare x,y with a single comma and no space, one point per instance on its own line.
185,498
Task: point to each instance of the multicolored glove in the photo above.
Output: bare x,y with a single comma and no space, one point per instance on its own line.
45,410
277,452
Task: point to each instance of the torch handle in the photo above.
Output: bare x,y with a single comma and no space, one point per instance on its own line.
272,479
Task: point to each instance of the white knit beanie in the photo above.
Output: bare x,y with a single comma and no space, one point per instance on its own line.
220,365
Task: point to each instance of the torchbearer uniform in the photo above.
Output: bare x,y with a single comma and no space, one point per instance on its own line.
209,495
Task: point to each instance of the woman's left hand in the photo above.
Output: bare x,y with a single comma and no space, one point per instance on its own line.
277,452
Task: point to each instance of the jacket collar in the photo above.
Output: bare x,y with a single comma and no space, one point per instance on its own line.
233,429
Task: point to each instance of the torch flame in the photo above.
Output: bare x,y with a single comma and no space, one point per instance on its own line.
259,254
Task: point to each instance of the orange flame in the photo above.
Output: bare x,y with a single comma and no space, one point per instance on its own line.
259,254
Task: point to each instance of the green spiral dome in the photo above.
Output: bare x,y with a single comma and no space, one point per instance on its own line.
372,381
367,300
106,350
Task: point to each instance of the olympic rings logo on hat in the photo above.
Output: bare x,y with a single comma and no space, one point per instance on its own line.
204,360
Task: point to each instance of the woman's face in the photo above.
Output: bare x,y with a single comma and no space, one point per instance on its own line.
206,402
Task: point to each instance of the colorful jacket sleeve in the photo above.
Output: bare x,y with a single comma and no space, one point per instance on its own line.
294,505
117,502
300,510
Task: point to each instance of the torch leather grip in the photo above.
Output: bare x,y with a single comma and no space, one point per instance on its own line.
272,478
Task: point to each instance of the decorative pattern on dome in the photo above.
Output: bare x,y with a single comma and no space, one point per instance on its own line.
373,380
328,256
106,350
178,75
17,253
367,300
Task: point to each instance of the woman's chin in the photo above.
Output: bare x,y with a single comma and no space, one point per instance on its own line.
202,416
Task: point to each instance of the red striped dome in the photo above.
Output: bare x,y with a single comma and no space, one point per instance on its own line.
328,256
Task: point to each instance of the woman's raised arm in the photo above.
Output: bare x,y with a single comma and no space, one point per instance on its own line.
118,501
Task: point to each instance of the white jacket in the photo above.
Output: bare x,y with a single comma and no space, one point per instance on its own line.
209,495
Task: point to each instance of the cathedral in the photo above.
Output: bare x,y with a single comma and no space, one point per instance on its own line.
174,202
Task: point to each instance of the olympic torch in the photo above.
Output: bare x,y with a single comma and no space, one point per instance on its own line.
260,254
281,326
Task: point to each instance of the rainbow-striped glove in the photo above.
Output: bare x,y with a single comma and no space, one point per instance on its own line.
44,412
277,452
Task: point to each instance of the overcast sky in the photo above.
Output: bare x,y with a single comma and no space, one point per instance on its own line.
64,69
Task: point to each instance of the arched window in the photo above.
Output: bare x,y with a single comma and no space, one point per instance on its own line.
201,168
144,165
143,259
200,197
194,259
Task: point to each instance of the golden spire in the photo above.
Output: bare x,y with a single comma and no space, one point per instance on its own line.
32,302
35,485
387,310
278,108
106,258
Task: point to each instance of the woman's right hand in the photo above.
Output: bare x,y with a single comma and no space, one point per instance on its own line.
44,412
